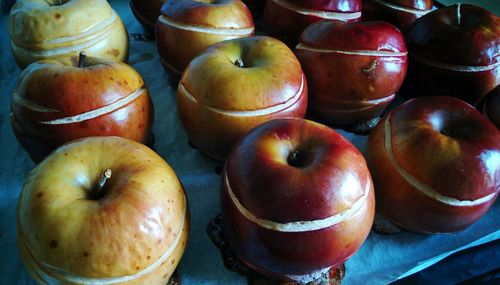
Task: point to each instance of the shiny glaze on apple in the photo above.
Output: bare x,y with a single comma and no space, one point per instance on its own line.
230,100
469,46
445,145
48,92
329,177
352,69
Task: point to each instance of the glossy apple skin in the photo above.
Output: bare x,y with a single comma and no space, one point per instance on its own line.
445,144
177,47
491,106
272,76
475,42
44,30
400,13
142,213
146,12
269,187
287,24
343,86
50,90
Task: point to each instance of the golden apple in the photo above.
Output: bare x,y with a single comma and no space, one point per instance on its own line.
40,29
102,210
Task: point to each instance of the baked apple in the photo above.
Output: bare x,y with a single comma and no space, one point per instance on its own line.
186,28
286,19
60,29
353,69
297,199
491,106
102,210
55,102
400,13
454,51
435,163
236,85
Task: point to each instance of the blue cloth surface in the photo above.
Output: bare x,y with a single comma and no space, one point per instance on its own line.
380,260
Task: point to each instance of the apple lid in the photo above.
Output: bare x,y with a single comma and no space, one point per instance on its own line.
37,23
463,35
245,74
290,170
210,13
447,146
358,36
330,5
413,4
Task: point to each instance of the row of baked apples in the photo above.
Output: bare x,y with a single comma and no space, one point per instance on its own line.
297,198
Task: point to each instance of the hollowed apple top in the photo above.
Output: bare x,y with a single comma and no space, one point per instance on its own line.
448,145
293,169
215,13
359,36
415,4
35,23
252,73
464,35
135,224
330,5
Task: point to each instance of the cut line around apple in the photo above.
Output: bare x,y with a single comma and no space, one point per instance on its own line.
382,53
402,8
317,13
259,112
419,185
206,29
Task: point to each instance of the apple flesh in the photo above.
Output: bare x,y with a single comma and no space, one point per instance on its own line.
54,103
61,29
353,69
74,227
491,106
286,19
186,28
236,85
435,163
146,12
454,51
400,13
297,199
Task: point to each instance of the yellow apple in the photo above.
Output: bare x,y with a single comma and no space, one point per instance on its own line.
102,210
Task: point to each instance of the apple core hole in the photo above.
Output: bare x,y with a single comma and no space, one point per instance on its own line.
299,159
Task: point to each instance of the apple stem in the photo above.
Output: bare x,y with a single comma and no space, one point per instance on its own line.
459,16
81,59
102,181
239,63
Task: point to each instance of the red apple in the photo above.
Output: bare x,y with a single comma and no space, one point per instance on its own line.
353,69
297,199
61,29
286,19
102,210
236,85
491,106
146,12
400,13
435,163
54,103
186,28
454,51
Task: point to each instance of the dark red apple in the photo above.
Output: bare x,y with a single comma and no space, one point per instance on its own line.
353,69
286,19
435,163
491,106
54,103
400,13
454,51
297,199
